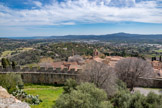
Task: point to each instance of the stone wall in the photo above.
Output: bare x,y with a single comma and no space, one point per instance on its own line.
150,82
43,75
46,78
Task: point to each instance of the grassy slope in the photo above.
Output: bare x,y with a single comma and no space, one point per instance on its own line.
160,50
8,52
48,94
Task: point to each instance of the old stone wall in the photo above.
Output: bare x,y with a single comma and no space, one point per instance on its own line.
42,75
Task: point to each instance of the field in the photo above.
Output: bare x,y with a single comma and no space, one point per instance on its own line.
47,93
159,51
17,51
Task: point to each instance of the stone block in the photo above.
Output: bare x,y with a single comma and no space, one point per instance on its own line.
8,69
50,69
1,68
72,71
25,69
65,70
33,69
17,69
58,70
42,69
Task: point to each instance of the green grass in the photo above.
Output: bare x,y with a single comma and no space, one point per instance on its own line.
6,53
19,50
158,50
47,93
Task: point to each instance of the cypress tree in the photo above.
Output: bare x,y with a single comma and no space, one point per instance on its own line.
8,62
4,63
160,59
13,64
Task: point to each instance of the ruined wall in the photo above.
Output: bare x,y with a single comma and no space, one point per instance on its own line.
42,75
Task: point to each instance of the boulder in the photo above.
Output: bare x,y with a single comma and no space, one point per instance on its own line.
9,101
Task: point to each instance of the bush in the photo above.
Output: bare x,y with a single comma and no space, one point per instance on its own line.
11,81
124,99
86,95
70,85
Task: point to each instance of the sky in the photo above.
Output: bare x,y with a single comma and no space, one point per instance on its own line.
79,17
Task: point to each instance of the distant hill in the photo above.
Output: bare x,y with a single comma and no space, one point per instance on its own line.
115,36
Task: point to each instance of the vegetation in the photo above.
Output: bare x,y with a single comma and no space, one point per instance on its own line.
100,86
11,81
5,62
23,96
124,99
101,75
130,70
31,51
47,93
86,95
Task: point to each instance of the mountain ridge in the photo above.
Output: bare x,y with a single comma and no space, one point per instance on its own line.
114,35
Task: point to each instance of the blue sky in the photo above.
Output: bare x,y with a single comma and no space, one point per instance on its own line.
64,17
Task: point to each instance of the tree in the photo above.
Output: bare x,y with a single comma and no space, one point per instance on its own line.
46,62
13,64
123,53
8,62
130,70
160,59
101,75
4,63
70,85
86,95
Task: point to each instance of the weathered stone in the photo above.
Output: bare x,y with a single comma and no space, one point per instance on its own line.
17,69
9,101
65,70
50,69
1,68
72,71
33,69
26,69
58,70
42,69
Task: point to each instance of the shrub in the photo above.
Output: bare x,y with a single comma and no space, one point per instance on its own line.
11,81
86,95
70,85
125,99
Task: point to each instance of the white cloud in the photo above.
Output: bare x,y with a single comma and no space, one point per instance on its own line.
82,11
37,3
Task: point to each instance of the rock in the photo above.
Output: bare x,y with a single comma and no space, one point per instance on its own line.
9,101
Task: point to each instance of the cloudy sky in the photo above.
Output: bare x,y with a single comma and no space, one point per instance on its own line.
64,17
